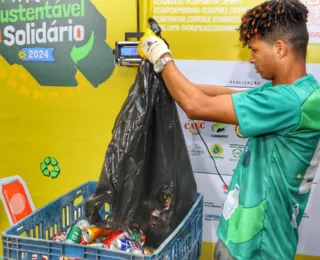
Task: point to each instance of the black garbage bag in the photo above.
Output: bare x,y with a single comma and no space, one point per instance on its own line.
147,176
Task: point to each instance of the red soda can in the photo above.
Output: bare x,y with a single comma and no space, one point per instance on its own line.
83,242
61,234
115,235
60,237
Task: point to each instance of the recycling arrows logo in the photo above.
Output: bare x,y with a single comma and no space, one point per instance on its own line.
50,167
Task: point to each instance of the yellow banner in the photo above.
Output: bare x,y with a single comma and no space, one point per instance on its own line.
60,92
206,29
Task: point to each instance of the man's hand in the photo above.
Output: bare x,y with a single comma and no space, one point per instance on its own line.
152,47
195,102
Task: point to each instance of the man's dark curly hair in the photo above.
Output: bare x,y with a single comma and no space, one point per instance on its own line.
277,20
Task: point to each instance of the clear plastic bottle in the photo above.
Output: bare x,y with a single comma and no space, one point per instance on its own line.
231,203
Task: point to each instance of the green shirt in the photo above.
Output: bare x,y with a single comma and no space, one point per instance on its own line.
270,187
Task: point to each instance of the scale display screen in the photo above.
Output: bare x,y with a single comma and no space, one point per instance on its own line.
128,51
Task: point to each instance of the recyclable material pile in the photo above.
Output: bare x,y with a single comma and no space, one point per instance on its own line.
131,240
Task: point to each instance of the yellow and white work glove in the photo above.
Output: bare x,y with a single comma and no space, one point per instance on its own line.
152,47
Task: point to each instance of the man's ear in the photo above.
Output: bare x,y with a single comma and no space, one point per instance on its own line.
281,48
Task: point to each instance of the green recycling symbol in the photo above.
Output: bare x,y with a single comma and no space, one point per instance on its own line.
50,167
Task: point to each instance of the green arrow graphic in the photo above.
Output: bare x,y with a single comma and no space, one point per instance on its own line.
218,126
79,53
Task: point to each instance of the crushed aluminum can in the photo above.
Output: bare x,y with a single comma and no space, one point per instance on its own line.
124,245
83,242
135,235
74,235
135,251
69,258
148,250
99,245
115,235
156,213
60,237
83,224
90,234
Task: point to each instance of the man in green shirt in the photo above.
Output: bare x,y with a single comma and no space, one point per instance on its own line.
270,187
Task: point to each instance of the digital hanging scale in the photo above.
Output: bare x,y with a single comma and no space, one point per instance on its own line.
126,52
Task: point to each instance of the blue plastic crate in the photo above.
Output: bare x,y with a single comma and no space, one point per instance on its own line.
31,238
